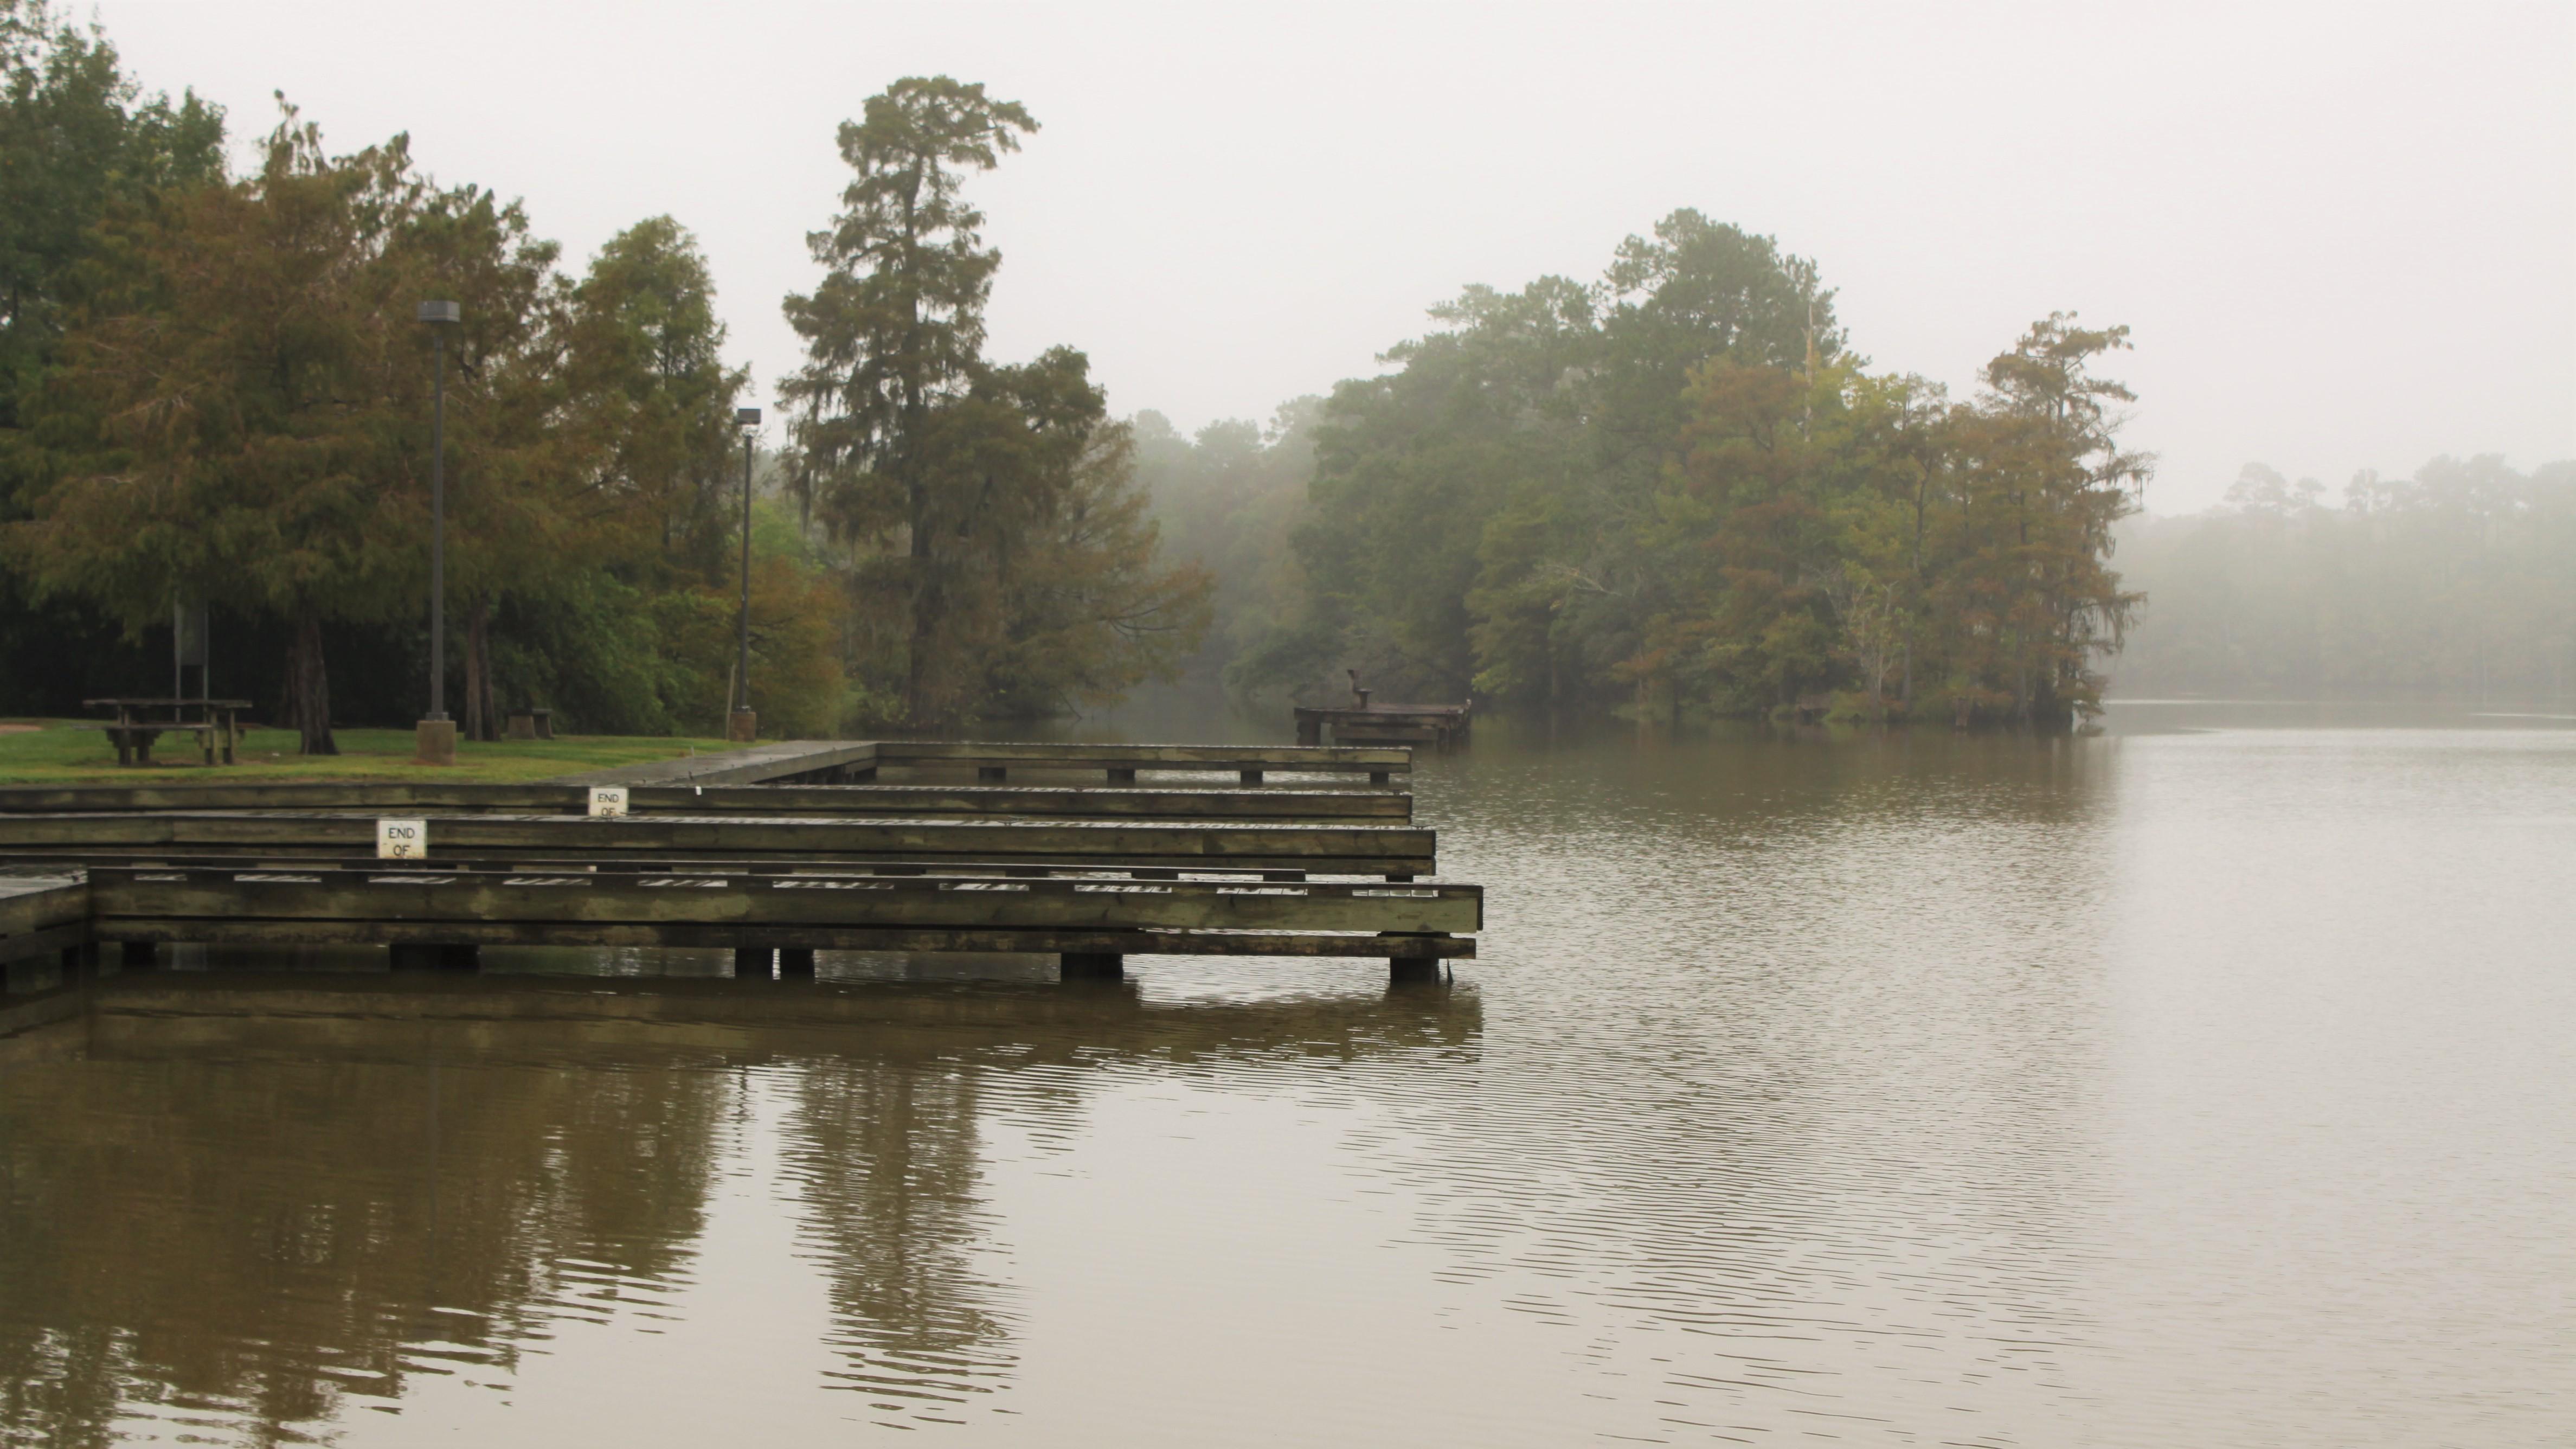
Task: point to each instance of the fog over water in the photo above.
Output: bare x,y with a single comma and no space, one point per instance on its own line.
2340,233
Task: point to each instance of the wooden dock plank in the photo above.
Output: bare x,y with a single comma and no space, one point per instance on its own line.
1292,759
997,903
904,939
40,902
785,760
1333,848
981,801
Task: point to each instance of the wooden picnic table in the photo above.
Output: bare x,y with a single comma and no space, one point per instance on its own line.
215,722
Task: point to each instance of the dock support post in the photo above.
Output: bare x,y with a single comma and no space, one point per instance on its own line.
992,774
1252,777
1381,777
753,961
1092,966
795,961
1412,970
435,956
1121,777
139,956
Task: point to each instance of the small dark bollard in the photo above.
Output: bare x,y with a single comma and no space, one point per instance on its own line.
1091,966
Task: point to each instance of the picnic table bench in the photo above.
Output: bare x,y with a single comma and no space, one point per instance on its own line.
215,722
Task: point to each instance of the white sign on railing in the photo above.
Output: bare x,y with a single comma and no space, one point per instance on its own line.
607,800
402,839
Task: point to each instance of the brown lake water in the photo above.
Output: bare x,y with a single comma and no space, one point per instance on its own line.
2207,1083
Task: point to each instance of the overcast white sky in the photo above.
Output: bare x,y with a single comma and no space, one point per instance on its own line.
2345,235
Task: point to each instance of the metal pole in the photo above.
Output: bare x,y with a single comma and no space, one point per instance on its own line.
438,533
742,667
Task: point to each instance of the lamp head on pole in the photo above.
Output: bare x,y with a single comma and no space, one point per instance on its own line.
436,313
746,417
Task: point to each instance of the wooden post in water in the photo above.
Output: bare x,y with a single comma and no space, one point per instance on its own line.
796,961
753,961
1092,966
139,956
435,956
1412,970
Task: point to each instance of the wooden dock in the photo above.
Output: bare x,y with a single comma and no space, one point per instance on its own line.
775,871
909,801
499,903
1330,849
1363,723
42,915
832,761
1439,725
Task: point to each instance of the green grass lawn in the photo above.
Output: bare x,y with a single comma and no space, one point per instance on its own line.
67,750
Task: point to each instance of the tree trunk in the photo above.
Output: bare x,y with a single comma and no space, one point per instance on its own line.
479,712
925,615
308,689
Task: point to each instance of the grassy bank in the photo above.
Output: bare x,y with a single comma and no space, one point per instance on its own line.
71,750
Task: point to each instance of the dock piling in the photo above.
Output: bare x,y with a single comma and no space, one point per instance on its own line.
795,961
754,961
1092,966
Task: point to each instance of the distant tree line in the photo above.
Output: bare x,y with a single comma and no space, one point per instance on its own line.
2458,583
213,391
1675,488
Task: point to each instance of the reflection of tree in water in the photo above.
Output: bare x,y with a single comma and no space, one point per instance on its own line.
240,1246
884,1155
218,1202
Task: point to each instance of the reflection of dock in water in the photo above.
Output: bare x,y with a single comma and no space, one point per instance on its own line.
278,1196
680,1021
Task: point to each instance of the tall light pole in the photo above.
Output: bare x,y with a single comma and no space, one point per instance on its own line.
437,732
745,724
